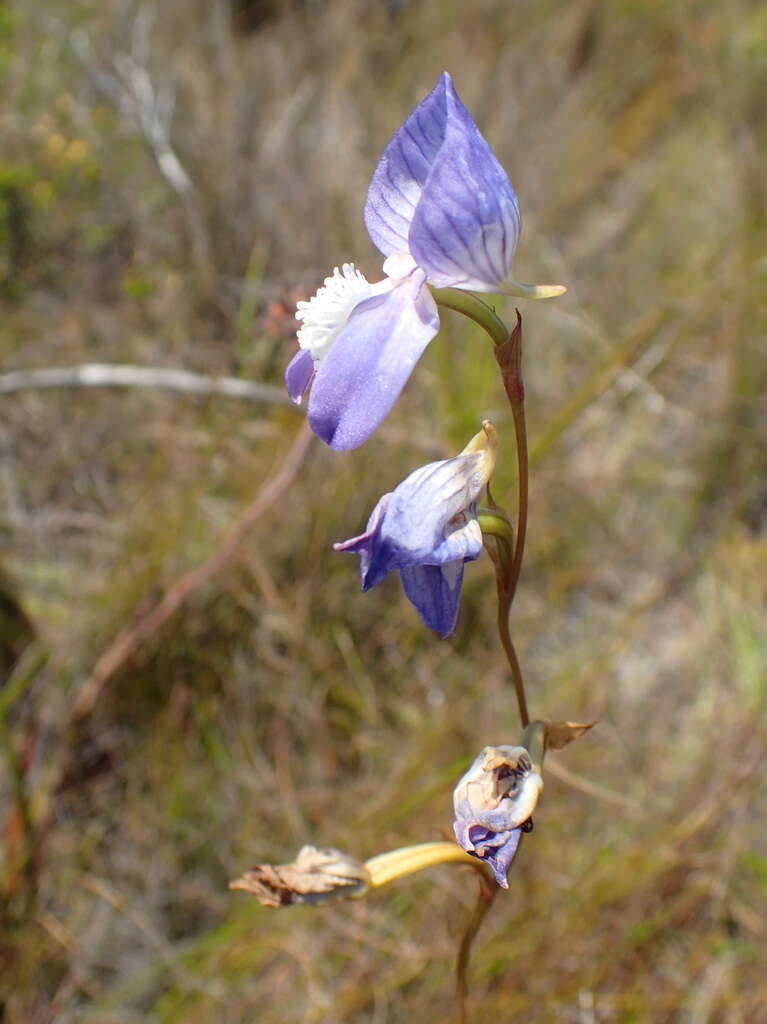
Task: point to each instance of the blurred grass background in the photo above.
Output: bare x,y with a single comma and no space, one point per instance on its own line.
172,176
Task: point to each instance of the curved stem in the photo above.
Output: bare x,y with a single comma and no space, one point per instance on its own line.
509,359
475,309
504,607
485,896
508,354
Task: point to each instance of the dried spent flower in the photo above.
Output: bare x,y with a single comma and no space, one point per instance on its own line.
315,876
493,803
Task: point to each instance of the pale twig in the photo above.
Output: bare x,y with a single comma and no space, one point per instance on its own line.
129,640
109,375
149,109
504,632
593,789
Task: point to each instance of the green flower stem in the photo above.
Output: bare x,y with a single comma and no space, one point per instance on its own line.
475,309
493,523
534,742
386,867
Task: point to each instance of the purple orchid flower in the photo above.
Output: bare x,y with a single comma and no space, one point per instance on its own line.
442,211
493,803
427,528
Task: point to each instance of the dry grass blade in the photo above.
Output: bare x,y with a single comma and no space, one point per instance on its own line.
125,645
104,375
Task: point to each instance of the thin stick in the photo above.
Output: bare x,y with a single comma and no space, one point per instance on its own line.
106,375
485,896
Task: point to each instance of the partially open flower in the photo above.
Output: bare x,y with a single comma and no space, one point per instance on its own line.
315,876
427,529
493,803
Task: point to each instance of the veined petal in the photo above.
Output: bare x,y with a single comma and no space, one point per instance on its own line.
299,375
467,223
427,529
497,849
430,517
439,194
435,592
405,164
500,857
366,543
370,360
417,524
422,508
463,540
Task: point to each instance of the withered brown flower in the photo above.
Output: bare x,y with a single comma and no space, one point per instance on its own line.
315,876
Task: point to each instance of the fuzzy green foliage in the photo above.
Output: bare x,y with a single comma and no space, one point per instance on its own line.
279,706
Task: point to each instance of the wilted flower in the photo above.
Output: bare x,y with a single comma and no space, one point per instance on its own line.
493,803
427,528
442,210
315,876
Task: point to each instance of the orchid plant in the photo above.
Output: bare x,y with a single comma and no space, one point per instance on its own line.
443,213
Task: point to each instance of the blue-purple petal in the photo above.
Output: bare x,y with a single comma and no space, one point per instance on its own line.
500,861
463,540
367,543
439,194
429,520
299,375
466,227
422,509
496,849
367,366
405,164
435,593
